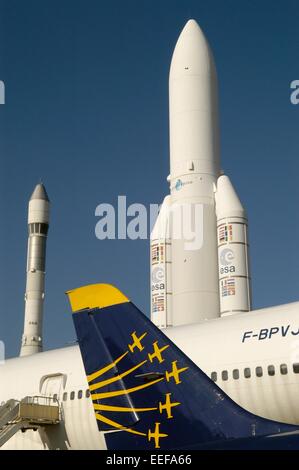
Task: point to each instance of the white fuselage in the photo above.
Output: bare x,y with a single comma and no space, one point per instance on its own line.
255,357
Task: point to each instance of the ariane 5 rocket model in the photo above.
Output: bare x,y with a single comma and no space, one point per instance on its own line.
199,244
38,225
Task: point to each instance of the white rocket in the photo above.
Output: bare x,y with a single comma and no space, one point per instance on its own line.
38,224
199,245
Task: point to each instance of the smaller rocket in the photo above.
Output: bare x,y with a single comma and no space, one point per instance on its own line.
38,225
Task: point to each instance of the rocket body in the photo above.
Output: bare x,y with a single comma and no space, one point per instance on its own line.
190,276
194,168
38,224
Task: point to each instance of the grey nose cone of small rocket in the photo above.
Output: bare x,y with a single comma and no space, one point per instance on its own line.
38,225
40,193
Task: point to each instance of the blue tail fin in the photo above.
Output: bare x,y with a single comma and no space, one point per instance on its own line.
144,386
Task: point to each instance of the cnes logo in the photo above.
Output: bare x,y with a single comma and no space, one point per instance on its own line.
2,92
295,93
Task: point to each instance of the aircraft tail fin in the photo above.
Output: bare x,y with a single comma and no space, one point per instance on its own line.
145,386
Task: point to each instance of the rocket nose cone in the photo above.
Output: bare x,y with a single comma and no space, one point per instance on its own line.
192,52
191,26
40,193
193,29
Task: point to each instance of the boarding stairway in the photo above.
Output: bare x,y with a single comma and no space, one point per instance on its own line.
29,413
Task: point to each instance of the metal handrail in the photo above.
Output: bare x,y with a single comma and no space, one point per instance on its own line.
40,400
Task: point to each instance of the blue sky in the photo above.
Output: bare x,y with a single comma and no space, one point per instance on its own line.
87,112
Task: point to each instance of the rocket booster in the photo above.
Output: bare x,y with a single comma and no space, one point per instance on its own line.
187,287
38,225
233,248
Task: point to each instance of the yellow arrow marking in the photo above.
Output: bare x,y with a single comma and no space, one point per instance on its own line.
120,408
116,393
100,372
115,378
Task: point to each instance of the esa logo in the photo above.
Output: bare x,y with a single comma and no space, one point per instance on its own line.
178,185
158,278
158,287
226,258
157,274
228,270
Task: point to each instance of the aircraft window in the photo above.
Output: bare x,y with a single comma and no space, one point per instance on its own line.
259,371
283,369
224,375
80,394
72,395
214,376
247,373
236,374
296,368
55,396
64,396
271,370
87,393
